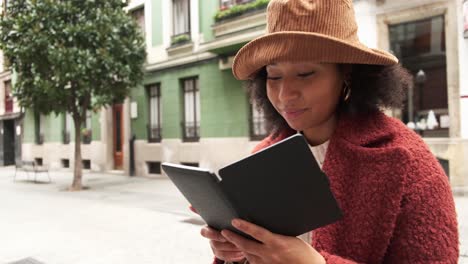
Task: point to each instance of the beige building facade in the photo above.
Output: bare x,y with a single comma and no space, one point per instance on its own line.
450,147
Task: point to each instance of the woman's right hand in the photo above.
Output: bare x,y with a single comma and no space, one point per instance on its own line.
222,249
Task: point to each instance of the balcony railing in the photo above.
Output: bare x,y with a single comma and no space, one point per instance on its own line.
86,136
180,44
65,137
191,132
240,9
257,129
236,26
154,133
39,139
180,39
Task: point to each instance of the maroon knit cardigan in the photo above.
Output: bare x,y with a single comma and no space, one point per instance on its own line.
396,199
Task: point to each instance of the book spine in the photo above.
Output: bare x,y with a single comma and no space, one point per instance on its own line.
222,194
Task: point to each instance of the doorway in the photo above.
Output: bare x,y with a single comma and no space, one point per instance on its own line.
8,142
420,46
117,120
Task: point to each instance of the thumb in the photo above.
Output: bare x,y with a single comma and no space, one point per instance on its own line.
193,209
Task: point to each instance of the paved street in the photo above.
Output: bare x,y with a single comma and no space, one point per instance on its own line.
119,220
462,211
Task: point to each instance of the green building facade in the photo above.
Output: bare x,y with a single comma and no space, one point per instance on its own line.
189,109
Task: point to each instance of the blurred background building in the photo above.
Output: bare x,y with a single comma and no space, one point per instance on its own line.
191,110
10,117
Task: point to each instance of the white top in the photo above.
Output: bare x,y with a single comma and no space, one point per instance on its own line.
319,153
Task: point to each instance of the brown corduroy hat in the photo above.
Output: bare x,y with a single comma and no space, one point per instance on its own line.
316,30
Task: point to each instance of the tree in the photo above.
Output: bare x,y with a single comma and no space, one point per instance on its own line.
72,56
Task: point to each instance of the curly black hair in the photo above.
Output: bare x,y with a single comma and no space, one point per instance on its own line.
373,87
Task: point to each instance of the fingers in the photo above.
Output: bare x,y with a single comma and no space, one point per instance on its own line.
257,232
193,209
226,251
223,246
229,256
212,234
222,249
245,245
253,259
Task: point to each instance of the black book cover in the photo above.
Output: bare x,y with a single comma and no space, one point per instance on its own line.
280,188
201,188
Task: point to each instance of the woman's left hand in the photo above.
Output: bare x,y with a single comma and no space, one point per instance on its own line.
274,248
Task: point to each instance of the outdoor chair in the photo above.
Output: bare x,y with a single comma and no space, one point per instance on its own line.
31,167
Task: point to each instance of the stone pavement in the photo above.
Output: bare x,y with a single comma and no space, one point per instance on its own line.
118,220
461,202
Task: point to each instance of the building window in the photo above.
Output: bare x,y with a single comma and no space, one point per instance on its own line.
191,124
39,128
67,124
86,131
8,97
226,4
257,123
139,16
154,102
154,167
86,164
180,21
65,163
420,47
38,161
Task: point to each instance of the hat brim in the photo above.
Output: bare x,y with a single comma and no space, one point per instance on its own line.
303,46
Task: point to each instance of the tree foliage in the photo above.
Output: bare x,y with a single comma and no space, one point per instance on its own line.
67,52
72,56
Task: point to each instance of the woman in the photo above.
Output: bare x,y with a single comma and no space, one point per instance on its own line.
311,74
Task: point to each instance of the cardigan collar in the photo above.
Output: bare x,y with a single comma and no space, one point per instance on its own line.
363,130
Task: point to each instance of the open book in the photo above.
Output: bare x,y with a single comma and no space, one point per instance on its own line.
280,188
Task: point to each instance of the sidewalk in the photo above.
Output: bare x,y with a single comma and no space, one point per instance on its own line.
120,219
461,202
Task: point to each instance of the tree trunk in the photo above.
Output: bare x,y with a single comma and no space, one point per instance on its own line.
78,168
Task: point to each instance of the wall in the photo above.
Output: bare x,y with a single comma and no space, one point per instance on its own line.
224,127
224,104
454,148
